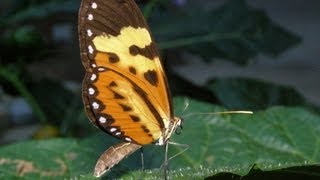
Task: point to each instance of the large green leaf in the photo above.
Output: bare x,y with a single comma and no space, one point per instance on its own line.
235,32
268,140
251,94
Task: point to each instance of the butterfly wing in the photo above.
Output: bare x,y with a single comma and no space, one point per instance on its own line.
125,91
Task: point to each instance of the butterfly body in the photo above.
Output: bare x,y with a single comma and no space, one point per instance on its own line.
125,90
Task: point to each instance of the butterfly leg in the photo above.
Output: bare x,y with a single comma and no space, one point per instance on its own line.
186,147
142,158
166,163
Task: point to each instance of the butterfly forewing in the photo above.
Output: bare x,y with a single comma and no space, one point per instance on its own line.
125,91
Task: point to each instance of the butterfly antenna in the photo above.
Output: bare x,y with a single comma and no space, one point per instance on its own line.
222,112
186,105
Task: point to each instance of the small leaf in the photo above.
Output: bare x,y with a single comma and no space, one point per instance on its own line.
46,131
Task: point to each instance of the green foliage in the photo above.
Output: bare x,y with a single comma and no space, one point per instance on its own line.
251,94
235,31
53,106
269,140
40,10
12,78
22,43
275,140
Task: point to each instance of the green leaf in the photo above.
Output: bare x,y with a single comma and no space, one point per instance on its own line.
235,32
44,10
267,140
251,94
270,139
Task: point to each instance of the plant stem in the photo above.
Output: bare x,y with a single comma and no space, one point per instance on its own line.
14,80
197,39
148,8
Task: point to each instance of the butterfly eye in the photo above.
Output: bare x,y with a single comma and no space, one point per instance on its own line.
181,121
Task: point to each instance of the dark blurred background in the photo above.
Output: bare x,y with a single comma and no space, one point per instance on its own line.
41,71
298,67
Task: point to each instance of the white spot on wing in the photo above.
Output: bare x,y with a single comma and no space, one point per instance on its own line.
91,91
128,139
89,32
95,105
118,133
102,120
94,5
94,65
101,69
90,49
93,77
90,17
113,129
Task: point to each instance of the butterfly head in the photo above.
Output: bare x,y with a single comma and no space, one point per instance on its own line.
175,125
179,127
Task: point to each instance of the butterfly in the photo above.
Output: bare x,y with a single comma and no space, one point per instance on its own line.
125,89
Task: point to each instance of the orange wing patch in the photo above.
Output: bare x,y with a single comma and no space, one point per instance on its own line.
134,55
120,106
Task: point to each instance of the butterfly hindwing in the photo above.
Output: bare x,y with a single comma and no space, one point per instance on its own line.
125,90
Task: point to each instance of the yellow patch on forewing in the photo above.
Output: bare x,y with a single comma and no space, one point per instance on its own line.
120,45
140,36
